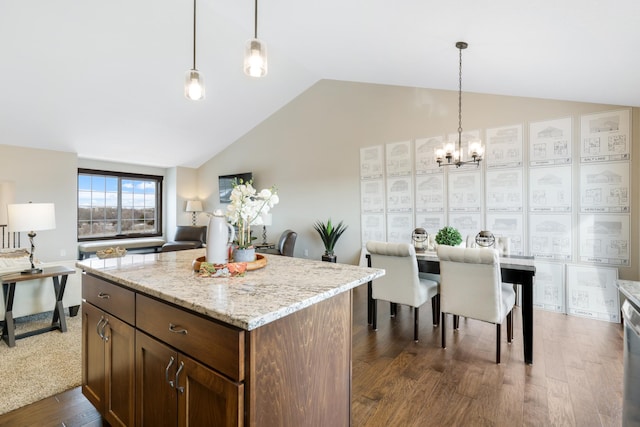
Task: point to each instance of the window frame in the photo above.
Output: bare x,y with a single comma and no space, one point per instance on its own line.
122,175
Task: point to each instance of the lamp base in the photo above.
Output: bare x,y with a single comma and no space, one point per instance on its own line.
31,271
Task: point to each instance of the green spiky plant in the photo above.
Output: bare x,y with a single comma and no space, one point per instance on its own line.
448,236
329,234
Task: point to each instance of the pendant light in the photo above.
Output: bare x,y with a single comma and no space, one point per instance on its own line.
194,81
255,52
448,152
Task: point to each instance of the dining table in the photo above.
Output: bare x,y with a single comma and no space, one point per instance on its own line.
515,269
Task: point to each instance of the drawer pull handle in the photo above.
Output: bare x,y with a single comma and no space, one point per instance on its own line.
166,372
180,389
172,328
104,296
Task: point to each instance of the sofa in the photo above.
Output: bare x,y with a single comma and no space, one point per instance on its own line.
37,296
187,237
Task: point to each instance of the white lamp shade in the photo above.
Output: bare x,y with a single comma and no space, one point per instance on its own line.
266,219
31,216
194,206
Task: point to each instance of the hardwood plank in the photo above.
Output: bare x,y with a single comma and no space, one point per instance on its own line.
535,406
585,407
559,400
70,409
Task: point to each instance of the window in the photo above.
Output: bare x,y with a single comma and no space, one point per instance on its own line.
115,204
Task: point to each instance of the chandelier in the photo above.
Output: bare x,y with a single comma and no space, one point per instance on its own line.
449,155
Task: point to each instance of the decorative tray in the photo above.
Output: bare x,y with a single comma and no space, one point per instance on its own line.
111,253
205,269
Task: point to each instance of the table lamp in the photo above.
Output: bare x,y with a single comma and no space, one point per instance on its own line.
266,220
31,217
194,206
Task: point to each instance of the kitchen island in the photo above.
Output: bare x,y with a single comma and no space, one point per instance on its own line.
163,346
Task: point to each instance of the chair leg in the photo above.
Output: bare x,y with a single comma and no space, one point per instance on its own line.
435,310
415,323
456,322
393,309
510,327
374,314
442,326
369,302
498,342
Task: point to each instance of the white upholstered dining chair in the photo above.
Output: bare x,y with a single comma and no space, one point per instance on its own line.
471,286
402,282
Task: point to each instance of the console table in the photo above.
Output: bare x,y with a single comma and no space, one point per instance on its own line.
264,246
59,275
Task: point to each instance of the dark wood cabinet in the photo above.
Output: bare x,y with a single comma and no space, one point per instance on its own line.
176,390
108,370
159,364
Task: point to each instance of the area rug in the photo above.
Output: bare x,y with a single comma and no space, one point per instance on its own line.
42,365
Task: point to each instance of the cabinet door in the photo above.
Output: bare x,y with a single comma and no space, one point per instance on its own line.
119,340
205,398
93,375
156,400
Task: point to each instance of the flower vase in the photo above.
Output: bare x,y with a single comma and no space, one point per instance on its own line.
244,255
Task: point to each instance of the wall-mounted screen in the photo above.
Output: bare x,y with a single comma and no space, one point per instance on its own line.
225,184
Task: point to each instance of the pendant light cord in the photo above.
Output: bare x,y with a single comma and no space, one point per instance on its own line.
460,106
194,34
255,21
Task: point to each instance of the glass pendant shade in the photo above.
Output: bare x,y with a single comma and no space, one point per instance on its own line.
194,85
255,58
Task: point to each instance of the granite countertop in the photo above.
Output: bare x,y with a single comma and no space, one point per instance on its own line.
285,285
631,290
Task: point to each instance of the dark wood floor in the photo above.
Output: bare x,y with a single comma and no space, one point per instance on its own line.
576,378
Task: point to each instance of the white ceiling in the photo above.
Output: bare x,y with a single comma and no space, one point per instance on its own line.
104,79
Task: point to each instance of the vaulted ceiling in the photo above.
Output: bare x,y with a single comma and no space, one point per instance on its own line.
104,79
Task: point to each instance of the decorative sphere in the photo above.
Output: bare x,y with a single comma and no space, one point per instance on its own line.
419,235
486,239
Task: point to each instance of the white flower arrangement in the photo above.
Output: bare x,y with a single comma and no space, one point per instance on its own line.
247,207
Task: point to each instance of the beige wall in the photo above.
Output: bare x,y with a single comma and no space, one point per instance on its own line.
310,150
44,176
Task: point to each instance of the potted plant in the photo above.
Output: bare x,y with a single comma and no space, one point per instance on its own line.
246,209
448,236
329,235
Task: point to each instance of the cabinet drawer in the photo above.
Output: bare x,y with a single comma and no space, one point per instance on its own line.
111,298
214,344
